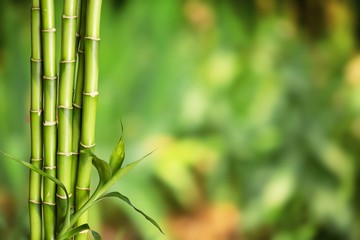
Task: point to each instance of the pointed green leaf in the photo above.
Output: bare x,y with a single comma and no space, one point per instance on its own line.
127,200
101,189
118,154
73,232
122,171
96,235
46,175
77,230
102,167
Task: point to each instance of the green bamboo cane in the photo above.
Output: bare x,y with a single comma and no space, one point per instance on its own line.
49,98
35,212
65,111
77,102
79,20
92,40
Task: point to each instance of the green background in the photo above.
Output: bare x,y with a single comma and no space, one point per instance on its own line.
253,107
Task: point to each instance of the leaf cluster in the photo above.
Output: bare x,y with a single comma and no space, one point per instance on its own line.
109,174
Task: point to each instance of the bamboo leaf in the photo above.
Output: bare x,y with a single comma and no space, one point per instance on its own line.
118,154
102,167
127,200
73,232
122,171
96,235
46,175
102,188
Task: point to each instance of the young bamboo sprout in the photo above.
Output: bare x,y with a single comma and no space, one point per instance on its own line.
49,97
77,103
36,123
66,83
90,93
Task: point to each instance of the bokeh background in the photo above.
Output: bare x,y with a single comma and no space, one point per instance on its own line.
253,107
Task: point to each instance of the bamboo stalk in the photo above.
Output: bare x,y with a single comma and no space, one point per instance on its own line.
79,20
35,212
77,102
49,98
65,110
90,94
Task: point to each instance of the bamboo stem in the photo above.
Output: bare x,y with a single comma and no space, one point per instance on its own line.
77,102
92,40
65,110
49,97
79,20
36,123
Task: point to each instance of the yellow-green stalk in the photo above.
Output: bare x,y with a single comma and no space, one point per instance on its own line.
65,110
77,102
79,20
35,212
90,94
49,97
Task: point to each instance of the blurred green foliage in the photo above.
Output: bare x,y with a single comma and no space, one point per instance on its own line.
253,107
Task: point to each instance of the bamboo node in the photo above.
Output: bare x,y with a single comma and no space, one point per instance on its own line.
38,112
48,123
76,105
49,203
35,8
35,60
34,201
82,188
66,154
49,167
75,153
50,30
36,159
69,17
92,38
91,94
87,146
63,197
64,107
81,51
77,35
68,61
49,78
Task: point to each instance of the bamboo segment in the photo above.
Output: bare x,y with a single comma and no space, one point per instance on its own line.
49,98
65,111
92,40
77,102
79,20
36,123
